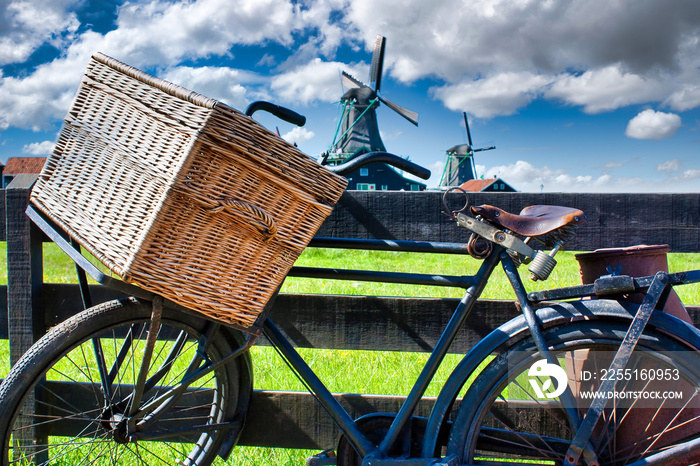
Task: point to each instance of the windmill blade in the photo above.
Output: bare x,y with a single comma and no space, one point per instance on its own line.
351,82
407,114
375,70
466,123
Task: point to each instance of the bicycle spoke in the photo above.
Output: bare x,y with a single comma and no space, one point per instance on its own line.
151,452
62,446
102,369
88,374
668,428
165,367
534,433
524,442
560,422
104,450
612,421
151,339
157,405
123,352
173,378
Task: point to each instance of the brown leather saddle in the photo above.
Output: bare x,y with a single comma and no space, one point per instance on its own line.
534,220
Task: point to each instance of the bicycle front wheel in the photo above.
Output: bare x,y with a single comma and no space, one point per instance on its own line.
71,398
512,411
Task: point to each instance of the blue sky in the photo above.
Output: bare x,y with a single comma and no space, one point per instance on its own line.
577,95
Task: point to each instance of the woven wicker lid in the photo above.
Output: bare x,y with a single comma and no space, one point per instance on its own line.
165,86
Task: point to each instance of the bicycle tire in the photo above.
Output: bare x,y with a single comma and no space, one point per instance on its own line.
494,425
74,422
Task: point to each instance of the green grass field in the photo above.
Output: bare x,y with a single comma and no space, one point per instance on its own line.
363,371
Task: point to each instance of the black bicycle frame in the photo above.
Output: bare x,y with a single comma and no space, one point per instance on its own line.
347,425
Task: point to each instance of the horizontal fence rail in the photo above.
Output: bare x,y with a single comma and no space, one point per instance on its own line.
613,220
296,420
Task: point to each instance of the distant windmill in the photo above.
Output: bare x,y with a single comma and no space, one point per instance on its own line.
358,131
460,166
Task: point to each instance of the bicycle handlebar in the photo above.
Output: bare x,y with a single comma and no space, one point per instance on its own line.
360,161
282,113
380,157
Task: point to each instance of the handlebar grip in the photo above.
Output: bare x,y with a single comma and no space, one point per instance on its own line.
381,157
282,113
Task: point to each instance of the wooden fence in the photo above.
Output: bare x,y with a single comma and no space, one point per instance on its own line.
283,419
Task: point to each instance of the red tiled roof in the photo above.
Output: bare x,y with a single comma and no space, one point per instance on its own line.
20,165
475,186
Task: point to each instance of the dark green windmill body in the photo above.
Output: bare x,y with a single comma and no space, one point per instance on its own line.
459,166
359,129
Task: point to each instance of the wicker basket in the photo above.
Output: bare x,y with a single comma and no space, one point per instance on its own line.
180,194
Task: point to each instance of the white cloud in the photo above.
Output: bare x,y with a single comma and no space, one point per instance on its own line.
688,175
436,169
527,177
686,98
605,55
163,32
492,56
672,165
153,34
38,148
267,60
502,94
605,89
613,165
41,99
298,135
316,80
453,38
650,124
27,24
317,16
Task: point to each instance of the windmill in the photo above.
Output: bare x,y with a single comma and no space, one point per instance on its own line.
358,131
460,166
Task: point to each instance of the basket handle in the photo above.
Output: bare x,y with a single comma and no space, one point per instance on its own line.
266,224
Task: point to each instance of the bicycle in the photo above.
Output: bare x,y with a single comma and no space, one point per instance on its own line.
142,369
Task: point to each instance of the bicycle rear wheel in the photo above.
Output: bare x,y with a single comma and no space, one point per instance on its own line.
69,399
507,415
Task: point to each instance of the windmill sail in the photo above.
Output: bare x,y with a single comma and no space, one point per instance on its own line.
404,112
358,129
375,70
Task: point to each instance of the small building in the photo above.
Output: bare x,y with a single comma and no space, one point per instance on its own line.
489,185
20,166
381,177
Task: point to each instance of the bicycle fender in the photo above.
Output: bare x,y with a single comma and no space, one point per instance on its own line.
517,329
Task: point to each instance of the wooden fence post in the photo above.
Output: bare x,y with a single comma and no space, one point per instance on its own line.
25,311
24,269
